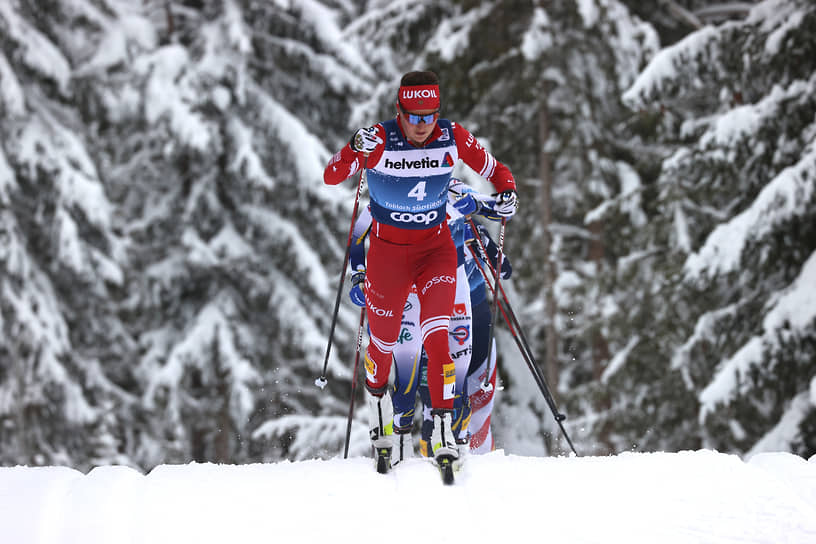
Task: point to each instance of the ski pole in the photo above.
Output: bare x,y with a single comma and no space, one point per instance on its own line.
545,390
486,385
529,359
322,381
521,342
515,323
354,382
523,348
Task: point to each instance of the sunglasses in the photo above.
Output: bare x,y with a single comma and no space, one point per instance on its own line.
415,119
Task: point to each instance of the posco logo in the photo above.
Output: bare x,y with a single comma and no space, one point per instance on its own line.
437,280
405,217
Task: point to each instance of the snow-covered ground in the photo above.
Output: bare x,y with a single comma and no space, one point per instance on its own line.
657,498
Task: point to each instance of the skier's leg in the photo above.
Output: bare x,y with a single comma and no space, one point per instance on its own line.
427,420
460,346
436,288
460,339
406,378
481,402
386,288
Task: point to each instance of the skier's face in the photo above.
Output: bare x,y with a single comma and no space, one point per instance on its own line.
417,125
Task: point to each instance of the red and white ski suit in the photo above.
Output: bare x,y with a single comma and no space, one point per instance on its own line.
410,243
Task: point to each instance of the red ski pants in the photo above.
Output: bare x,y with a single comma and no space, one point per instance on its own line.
391,270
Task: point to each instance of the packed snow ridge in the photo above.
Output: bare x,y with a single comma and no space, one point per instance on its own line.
686,497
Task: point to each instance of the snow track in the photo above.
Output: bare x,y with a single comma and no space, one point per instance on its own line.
685,497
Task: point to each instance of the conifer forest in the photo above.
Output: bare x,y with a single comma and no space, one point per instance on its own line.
169,253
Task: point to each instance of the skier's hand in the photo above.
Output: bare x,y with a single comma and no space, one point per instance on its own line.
365,140
357,292
466,205
493,253
506,204
506,269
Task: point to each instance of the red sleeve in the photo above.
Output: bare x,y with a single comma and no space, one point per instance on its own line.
347,162
481,161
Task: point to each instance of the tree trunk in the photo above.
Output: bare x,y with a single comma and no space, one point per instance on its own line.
551,367
224,431
600,346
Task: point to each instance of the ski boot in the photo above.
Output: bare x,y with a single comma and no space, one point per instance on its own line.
380,415
463,446
445,451
403,446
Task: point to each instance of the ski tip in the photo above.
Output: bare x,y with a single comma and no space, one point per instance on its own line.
321,382
447,474
446,470
383,460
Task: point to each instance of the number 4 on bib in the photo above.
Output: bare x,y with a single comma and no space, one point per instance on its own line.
418,191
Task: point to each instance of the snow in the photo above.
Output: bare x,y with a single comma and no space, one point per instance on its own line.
619,359
38,52
727,379
796,307
291,236
681,229
794,310
7,181
785,196
453,35
630,191
44,145
628,201
70,250
704,331
331,36
113,48
589,12
537,40
813,390
777,17
306,149
212,329
664,66
171,93
692,496
12,97
787,430
731,128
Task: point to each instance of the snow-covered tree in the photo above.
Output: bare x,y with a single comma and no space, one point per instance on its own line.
63,384
170,253
727,359
504,66
167,221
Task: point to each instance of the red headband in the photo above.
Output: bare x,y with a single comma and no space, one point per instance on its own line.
419,97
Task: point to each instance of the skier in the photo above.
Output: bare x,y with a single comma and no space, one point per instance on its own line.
406,354
408,161
476,406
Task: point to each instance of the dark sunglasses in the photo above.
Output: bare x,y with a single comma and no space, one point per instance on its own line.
415,119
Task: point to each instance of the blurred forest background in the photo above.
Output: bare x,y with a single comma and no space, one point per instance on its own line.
169,254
